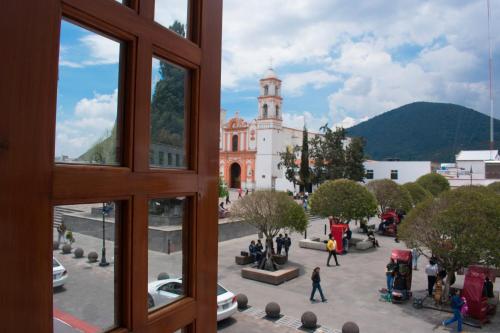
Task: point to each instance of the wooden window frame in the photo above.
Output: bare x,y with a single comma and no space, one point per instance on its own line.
31,183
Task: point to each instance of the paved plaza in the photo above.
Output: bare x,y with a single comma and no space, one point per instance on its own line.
351,289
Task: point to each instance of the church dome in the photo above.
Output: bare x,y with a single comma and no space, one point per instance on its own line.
270,74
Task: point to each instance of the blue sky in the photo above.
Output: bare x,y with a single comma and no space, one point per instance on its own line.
339,63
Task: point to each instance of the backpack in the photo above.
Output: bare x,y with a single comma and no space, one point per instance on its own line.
465,308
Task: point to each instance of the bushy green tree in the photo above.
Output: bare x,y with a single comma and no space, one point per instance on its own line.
390,195
354,158
417,193
459,227
328,154
495,187
288,162
434,183
344,199
223,192
270,212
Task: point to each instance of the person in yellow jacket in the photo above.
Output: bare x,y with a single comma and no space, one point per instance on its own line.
331,246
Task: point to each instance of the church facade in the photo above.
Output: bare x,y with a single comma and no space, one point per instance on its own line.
250,151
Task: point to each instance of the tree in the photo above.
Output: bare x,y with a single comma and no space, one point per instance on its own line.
434,183
495,187
168,102
459,228
354,158
305,171
270,212
390,195
288,162
417,193
223,192
344,199
328,154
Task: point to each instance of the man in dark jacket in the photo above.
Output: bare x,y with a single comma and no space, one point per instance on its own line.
316,279
287,242
279,243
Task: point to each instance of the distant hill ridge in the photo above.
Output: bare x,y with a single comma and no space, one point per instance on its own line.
425,131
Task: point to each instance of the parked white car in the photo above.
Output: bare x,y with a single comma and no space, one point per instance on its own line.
59,273
166,291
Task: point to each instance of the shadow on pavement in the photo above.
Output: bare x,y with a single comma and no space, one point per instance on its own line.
221,325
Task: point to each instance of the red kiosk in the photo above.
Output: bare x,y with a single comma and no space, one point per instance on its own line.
479,308
337,230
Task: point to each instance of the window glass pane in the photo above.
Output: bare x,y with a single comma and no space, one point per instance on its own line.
168,115
87,130
173,14
165,255
84,295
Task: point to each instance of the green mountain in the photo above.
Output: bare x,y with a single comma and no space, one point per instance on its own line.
425,131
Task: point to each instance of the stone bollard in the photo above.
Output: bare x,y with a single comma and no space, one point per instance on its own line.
78,252
309,320
242,300
93,256
350,327
273,310
66,249
55,245
163,276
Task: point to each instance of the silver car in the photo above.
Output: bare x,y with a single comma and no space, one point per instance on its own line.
59,273
163,292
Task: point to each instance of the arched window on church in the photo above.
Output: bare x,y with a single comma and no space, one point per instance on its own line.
266,90
264,111
235,142
277,111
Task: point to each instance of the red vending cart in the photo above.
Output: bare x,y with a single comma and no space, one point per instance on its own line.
473,292
337,230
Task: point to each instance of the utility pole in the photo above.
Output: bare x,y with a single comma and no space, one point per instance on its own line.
490,65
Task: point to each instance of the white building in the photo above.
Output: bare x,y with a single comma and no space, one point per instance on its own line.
476,167
399,171
249,151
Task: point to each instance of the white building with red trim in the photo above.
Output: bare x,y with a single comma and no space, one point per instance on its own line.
250,151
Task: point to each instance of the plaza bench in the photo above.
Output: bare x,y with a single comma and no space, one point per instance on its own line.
244,260
310,244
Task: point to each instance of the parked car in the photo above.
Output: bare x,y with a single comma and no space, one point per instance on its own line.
59,274
166,291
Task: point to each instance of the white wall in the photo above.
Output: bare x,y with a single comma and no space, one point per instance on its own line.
477,166
408,171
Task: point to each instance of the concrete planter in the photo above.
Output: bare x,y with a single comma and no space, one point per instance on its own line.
275,278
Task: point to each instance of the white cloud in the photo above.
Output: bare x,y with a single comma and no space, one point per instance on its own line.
101,50
93,118
169,11
366,44
297,120
294,83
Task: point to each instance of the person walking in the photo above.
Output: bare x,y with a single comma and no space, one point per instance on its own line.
240,192
456,305
287,242
331,246
316,279
279,243
432,271
227,199
61,231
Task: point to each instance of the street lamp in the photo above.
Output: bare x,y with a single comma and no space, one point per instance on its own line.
106,208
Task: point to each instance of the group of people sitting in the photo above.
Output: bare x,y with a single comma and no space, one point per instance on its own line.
256,250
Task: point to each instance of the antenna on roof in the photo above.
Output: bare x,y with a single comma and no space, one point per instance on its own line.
490,65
